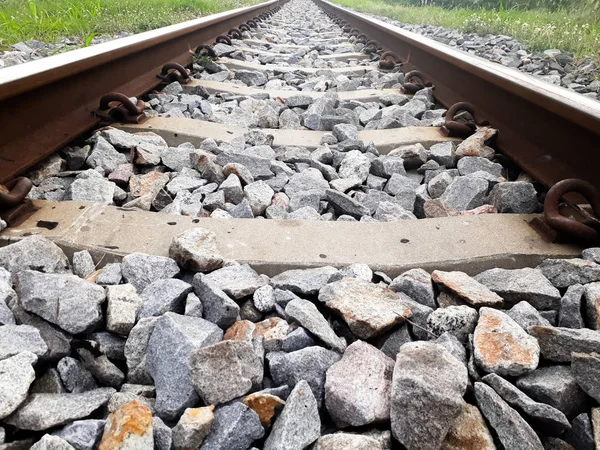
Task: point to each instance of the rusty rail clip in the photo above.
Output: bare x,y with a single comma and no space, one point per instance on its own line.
585,230
124,112
14,207
460,125
388,60
414,81
174,72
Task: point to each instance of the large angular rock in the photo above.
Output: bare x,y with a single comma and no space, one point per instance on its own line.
75,377
99,365
563,273
306,281
460,321
34,253
235,428
299,424
237,281
105,156
586,370
193,426
307,315
129,427
65,300
550,419
123,304
501,346
416,283
196,250
518,197
43,411
163,435
368,309
217,307
16,375
427,389
344,204
308,180
465,193
556,386
467,288
309,364
135,350
93,189
569,314
580,436
517,285
15,339
557,344
49,442
140,269
167,361
82,434
358,387
511,429
224,371
527,316
468,430
163,296
347,441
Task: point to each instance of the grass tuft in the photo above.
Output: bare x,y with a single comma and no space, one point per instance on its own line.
576,31
50,20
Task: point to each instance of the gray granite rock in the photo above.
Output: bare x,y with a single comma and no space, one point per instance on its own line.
82,434
225,370
196,250
517,285
471,164
140,269
390,346
511,429
591,254
306,281
586,370
550,419
556,386
135,350
235,428
464,193
217,307
358,387
581,434
16,375
43,411
33,253
167,360
427,389
263,299
344,204
83,264
309,364
299,424
557,344
15,339
569,314
110,275
163,296
50,442
99,365
517,197
416,283
163,435
237,281
563,273
65,300
123,304
74,375
48,383
526,315
297,340
97,190
460,321
110,344
368,309
306,314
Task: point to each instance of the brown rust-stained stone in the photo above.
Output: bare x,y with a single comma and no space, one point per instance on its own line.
467,288
265,405
469,432
128,428
242,330
368,309
273,331
196,250
148,184
501,346
475,145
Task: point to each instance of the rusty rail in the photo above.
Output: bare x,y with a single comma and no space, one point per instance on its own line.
549,131
44,104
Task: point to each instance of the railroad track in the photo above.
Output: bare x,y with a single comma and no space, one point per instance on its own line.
308,143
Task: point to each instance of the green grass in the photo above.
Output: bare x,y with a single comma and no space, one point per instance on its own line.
576,30
49,20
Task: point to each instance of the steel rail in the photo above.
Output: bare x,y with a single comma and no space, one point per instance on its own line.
550,132
44,104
